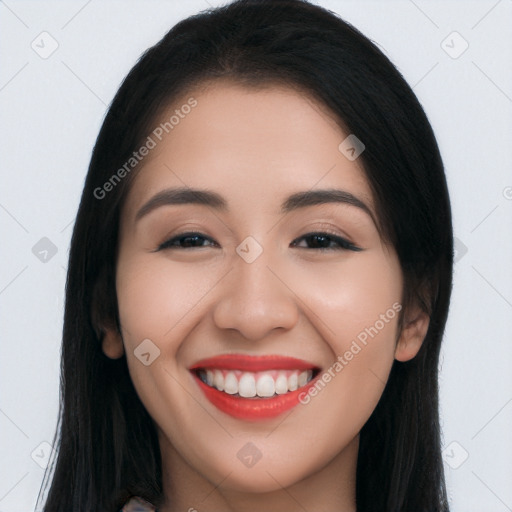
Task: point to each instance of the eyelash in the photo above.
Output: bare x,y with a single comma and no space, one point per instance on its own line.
343,244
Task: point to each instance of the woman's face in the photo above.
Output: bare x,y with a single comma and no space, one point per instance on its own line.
276,270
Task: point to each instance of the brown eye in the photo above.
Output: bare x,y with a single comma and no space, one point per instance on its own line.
187,241
325,241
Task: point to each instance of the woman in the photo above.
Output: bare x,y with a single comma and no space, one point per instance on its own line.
259,279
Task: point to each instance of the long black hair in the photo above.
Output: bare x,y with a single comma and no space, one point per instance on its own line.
106,441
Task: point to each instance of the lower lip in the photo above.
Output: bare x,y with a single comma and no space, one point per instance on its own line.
253,409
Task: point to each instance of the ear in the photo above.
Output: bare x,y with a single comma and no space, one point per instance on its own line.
102,318
412,335
112,343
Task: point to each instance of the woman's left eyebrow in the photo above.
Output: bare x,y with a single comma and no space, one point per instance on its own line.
186,195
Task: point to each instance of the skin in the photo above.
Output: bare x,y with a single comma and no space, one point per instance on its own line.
255,147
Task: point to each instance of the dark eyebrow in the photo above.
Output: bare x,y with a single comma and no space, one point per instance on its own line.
313,197
183,196
211,199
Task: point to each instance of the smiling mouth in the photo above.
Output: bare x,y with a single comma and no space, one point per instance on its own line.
254,388
263,384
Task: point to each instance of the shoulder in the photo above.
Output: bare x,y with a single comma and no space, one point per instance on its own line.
136,504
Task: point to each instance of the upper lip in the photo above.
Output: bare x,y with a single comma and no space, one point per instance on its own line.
249,363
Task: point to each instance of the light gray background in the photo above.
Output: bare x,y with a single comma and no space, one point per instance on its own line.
52,110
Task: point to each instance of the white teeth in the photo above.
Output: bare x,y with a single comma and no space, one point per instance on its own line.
218,380
262,384
247,386
230,383
293,382
265,386
281,384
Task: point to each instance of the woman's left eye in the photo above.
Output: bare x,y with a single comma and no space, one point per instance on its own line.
325,241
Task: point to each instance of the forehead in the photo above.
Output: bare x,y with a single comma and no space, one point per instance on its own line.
247,143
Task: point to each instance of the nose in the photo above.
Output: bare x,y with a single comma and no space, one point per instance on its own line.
256,301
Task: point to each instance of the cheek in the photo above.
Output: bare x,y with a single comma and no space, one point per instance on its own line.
350,296
356,307
159,300
156,297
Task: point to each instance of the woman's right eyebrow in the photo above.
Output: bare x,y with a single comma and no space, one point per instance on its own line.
183,195
187,195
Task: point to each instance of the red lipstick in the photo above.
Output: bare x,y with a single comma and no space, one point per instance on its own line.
253,363
254,408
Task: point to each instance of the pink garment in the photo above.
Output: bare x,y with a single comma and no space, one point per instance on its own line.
136,504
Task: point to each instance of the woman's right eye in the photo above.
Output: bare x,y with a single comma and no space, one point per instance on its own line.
187,241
